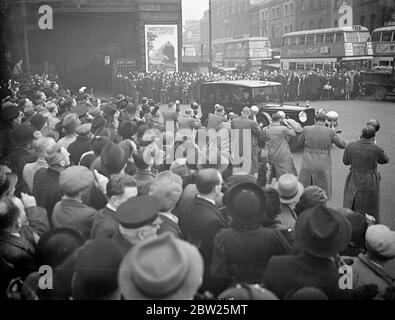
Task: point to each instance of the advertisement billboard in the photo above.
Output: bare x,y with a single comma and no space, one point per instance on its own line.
161,47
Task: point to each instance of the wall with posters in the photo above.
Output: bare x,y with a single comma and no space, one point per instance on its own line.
161,47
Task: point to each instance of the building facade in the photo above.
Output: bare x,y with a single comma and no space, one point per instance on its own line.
230,18
87,36
204,35
272,19
191,41
313,14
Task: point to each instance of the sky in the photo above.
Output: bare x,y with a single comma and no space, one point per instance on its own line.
193,9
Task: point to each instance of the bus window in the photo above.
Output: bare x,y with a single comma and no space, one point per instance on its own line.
330,38
309,65
302,40
318,66
376,37
292,66
351,37
293,41
310,39
339,37
319,38
387,37
300,66
364,37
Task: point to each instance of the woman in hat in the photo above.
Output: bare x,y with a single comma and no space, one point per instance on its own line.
242,252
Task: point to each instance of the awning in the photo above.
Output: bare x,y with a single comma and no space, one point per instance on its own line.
357,58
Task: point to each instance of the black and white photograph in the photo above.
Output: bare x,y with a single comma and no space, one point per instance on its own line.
197,155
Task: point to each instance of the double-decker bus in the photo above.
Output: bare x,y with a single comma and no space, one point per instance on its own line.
383,46
327,49
248,53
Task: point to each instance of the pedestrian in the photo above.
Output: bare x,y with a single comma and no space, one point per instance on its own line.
40,147
316,168
369,268
120,188
277,136
362,188
322,233
82,144
138,220
242,251
69,124
71,212
162,268
46,188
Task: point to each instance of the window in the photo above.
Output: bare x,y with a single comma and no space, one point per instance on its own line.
293,41
291,8
351,37
310,39
336,24
376,37
387,36
278,12
285,29
319,38
373,21
286,9
339,38
364,37
309,65
292,66
300,66
330,38
290,27
302,40
311,24
362,20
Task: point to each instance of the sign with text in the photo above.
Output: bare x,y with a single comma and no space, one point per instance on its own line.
385,48
161,47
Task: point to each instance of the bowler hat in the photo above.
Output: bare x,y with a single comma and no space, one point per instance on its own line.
58,244
38,121
162,268
22,134
96,270
322,232
290,189
112,159
138,212
245,203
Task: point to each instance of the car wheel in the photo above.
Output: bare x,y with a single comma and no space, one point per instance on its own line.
380,93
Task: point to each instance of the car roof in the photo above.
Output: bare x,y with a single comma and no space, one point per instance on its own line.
247,83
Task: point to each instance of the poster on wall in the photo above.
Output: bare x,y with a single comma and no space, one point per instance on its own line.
161,47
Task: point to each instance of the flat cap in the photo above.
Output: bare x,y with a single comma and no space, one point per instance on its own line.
138,212
75,179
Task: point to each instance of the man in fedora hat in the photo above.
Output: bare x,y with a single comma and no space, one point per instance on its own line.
138,220
290,191
316,168
277,136
322,233
362,188
162,268
242,252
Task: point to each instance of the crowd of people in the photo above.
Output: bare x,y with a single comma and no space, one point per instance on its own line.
298,86
99,192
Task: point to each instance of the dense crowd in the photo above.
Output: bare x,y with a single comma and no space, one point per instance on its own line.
298,86
121,200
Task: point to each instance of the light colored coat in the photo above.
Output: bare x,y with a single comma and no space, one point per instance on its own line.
316,168
277,139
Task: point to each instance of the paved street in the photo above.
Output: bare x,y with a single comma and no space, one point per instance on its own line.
353,116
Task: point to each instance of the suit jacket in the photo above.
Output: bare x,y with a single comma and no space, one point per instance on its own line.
73,214
286,274
104,224
200,224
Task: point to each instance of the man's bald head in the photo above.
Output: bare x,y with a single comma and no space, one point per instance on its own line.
206,180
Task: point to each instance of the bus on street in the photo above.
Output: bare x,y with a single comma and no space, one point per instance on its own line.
327,49
383,46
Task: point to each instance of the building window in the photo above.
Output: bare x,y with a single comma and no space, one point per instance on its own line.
286,9
336,23
290,27
372,21
362,21
311,24
291,8
286,29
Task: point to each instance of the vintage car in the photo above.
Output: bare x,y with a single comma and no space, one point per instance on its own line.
265,95
235,95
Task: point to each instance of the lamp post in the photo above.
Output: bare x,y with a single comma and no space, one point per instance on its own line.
210,36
